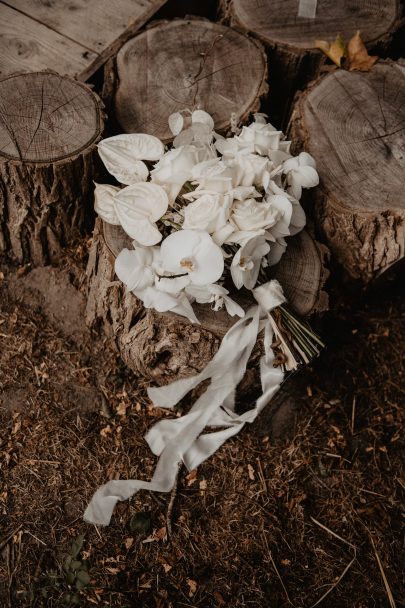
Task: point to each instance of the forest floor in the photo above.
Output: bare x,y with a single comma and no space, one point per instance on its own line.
267,522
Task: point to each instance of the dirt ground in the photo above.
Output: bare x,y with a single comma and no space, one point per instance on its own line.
309,516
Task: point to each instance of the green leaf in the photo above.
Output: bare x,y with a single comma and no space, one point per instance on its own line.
140,522
70,577
83,577
77,545
75,564
75,599
68,561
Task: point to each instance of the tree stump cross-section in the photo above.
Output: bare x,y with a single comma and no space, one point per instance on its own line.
49,128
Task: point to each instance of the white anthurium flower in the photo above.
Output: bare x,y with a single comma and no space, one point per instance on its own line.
163,301
250,214
301,173
246,263
209,212
264,137
192,252
104,203
123,154
134,268
217,296
276,252
138,207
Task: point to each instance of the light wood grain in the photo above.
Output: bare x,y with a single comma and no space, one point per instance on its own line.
353,123
94,24
28,45
45,117
49,128
188,64
277,21
73,37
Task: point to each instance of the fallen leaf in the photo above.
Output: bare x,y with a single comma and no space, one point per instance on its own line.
251,472
122,409
128,542
334,50
192,587
191,477
203,486
218,598
358,56
105,431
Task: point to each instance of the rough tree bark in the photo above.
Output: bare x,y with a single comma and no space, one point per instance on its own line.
353,123
164,347
290,39
49,127
190,64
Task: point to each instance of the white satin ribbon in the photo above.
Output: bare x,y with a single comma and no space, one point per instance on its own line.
181,439
307,9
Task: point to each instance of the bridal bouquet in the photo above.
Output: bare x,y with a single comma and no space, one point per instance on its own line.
208,215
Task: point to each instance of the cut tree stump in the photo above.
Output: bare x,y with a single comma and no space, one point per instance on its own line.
353,123
188,64
290,39
49,128
165,347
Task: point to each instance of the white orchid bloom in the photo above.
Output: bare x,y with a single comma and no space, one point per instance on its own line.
277,250
104,203
246,263
122,155
192,252
301,173
217,296
163,301
138,207
135,268
298,218
282,206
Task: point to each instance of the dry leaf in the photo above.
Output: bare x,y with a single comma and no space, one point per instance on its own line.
358,56
335,50
203,486
128,542
122,409
193,587
191,477
218,598
251,472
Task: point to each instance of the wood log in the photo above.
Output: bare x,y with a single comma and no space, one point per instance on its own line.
290,39
353,123
188,64
164,347
49,128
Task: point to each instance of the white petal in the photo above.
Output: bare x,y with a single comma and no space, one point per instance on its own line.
290,164
203,117
308,177
298,219
276,252
177,246
129,271
172,284
143,199
176,122
233,308
163,302
306,159
104,203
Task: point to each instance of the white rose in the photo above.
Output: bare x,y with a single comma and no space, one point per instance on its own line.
210,212
252,215
250,168
264,137
215,176
174,169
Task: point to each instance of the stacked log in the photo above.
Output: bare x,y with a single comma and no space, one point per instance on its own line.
290,38
49,128
353,123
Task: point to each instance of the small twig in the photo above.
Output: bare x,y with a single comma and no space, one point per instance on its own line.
353,413
386,584
173,495
276,570
347,568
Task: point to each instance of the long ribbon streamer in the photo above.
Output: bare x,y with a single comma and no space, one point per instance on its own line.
182,439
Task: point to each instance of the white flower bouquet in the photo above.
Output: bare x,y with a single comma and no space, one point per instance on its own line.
208,215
